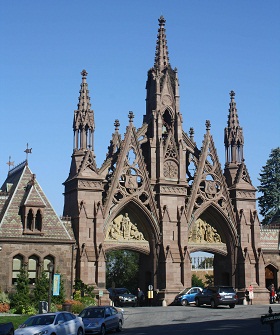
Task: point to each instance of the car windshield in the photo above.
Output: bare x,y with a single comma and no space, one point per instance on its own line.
122,291
227,290
185,290
38,320
92,313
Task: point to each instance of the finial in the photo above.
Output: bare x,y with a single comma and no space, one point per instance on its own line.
84,74
191,132
161,20
208,124
27,151
10,163
117,125
130,116
232,94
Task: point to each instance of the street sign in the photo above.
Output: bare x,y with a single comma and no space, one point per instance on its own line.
100,294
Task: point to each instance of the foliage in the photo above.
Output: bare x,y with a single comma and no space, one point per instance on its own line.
209,279
76,305
196,281
4,307
269,202
41,289
122,269
29,310
20,300
4,298
82,289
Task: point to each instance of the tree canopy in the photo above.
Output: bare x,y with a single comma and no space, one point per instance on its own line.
269,202
122,269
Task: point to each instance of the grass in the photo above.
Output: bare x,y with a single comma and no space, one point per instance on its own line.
15,319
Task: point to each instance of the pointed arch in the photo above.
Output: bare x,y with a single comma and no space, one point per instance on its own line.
140,217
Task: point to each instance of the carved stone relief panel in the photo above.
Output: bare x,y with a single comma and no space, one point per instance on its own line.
203,232
123,230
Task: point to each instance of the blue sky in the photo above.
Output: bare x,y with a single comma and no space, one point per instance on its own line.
217,46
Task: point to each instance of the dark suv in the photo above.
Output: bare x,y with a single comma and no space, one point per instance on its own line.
122,297
217,295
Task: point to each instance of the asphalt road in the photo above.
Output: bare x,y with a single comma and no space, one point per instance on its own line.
198,320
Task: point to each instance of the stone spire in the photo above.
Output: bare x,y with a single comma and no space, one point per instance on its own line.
161,57
233,140
83,124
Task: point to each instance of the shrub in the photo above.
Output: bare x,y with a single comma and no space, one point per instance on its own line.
4,307
4,298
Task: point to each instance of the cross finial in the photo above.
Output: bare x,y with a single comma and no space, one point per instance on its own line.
208,124
232,94
84,74
10,163
130,116
117,124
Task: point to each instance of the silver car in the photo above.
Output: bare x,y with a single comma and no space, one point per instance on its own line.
100,319
59,323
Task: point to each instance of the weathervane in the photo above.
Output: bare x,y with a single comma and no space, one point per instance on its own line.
27,151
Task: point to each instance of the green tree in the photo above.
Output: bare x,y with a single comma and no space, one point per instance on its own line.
41,289
21,300
209,279
269,202
122,269
196,281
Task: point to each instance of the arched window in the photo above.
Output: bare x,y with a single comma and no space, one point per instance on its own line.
29,221
47,261
17,265
38,220
33,269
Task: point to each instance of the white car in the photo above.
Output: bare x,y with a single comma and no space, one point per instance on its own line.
59,323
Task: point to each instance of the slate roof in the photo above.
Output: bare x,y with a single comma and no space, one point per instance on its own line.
21,188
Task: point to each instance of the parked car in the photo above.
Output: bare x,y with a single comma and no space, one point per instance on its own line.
122,297
7,328
59,323
217,295
100,319
187,296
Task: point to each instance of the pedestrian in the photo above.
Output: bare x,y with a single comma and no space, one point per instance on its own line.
272,293
251,294
246,298
140,297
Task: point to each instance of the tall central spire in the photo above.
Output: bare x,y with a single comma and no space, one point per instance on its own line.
83,123
234,139
161,58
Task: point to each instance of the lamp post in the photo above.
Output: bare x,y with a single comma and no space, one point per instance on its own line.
50,269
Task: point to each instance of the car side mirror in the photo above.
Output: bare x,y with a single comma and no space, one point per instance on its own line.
107,315
60,322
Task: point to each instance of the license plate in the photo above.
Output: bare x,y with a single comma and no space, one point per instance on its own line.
227,296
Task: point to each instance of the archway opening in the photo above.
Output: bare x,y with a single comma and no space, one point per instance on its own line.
122,269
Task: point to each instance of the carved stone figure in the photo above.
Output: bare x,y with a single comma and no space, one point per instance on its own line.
203,232
123,229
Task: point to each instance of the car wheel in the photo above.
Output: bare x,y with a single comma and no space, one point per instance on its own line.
231,305
119,328
212,303
80,331
103,330
184,302
197,303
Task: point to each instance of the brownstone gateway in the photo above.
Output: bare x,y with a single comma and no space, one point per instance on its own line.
157,193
